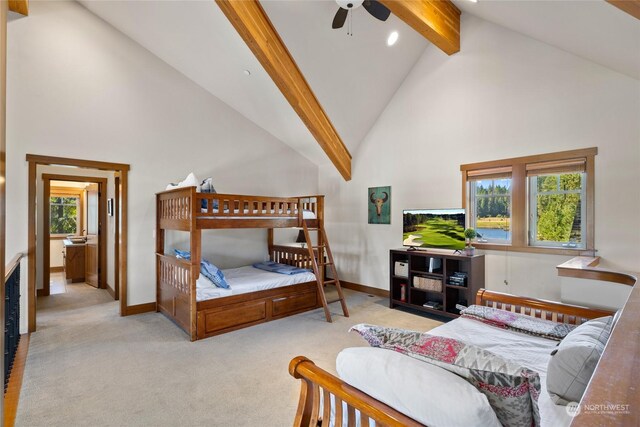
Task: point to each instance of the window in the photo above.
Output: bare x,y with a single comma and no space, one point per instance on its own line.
541,203
556,210
64,215
490,209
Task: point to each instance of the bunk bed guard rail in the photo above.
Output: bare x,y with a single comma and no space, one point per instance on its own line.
179,207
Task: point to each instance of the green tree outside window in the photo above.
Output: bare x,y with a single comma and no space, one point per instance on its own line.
63,217
559,208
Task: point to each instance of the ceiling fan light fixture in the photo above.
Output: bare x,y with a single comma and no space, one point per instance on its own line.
349,4
392,39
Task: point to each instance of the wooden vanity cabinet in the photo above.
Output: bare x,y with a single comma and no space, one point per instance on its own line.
74,261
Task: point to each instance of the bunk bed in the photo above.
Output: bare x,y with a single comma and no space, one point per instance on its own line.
185,209
614,381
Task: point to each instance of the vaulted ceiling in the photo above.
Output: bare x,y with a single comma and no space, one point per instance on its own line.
594,30
353,76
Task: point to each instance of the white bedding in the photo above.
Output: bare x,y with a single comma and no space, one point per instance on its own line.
530,351
247,279
306,214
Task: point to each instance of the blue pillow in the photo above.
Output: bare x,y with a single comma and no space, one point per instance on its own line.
214,274
207,269
207,187
182,254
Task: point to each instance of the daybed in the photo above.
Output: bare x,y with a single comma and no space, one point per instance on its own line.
407,384
184,209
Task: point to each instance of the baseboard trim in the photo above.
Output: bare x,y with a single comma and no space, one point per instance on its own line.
140,308
111,292
56,269
12,396
365,289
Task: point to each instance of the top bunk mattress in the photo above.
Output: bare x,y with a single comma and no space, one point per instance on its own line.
246,214
247,279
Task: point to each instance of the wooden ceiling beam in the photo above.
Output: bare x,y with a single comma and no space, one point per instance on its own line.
252,23
19,6
632,7
437,20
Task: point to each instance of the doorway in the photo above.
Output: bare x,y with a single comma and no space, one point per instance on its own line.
74,214
120,171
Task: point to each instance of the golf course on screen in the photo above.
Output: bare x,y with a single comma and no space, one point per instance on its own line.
434,231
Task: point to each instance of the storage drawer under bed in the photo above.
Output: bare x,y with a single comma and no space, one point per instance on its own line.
289,304
217,320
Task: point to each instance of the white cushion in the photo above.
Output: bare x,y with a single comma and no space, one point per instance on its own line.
573,362
424,392
189,181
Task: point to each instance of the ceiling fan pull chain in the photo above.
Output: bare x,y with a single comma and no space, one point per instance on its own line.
351,23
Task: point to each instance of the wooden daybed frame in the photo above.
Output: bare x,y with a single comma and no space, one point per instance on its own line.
615,380
180,209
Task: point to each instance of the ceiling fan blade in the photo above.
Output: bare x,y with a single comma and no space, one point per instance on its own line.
377,9
341,16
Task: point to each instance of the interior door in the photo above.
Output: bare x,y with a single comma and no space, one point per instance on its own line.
92,254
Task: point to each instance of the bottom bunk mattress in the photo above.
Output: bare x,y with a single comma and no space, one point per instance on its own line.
436,397
248,279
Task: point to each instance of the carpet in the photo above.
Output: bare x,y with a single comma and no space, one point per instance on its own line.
87,366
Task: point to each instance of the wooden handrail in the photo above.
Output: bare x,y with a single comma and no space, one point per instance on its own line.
13,264
585,268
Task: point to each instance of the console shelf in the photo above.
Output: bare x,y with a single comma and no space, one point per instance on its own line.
438,266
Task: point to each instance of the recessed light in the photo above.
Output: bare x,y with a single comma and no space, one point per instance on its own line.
473,1
247,72
393,38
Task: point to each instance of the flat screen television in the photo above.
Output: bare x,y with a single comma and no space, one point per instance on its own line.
433,228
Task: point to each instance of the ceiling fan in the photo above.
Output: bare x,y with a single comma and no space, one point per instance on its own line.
374,7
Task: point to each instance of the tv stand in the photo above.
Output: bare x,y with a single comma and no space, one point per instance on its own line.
412,249
457,251
448,292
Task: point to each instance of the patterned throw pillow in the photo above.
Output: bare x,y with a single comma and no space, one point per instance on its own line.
512,390
207,269
518,322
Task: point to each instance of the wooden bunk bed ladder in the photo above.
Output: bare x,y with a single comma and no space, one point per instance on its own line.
321,256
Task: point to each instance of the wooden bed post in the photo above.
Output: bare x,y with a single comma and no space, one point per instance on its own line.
196,255
270,243
159,249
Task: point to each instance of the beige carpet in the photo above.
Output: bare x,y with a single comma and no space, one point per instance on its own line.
87,366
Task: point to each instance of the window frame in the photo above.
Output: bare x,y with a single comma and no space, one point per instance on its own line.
67,192
520,203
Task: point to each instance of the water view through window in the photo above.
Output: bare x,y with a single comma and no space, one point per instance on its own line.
491,218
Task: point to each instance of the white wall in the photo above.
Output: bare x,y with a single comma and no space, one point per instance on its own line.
503,95
78,88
